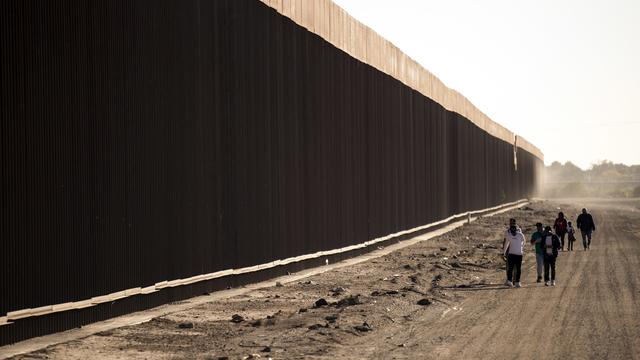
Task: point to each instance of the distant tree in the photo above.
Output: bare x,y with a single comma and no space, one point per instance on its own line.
553,172
600,167
604,170
602,179
572,172
562,173
610,175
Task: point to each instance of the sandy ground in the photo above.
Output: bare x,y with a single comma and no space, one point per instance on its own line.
442,298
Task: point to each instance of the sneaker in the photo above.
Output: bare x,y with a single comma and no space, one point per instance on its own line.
539,279
508,283
547,283
553,283
518,285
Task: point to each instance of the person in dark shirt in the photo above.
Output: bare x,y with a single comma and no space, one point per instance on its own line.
550,247
560,227
587,226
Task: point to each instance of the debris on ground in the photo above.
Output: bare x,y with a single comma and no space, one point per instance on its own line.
317,326
235,318
414,289
363,328
336,291
424,302
349,301
331,318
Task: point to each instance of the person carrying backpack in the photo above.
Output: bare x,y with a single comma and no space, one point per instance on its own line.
513,249
550,246
587,227
560,227
536,241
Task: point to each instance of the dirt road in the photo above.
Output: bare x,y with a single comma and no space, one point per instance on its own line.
593,312
442,298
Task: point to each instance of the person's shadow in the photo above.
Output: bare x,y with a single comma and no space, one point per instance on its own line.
477,287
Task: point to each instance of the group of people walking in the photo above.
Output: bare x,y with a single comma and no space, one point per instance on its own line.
547,245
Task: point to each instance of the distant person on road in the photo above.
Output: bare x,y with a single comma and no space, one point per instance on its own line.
513,249
571,236
587,227
536,241
550,246
560,227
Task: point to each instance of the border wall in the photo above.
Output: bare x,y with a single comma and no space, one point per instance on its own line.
155,150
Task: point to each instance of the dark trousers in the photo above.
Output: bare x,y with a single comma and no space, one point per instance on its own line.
570,241
549,263
561,236
586,238
514,262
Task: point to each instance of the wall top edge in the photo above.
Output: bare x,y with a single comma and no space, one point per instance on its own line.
335,25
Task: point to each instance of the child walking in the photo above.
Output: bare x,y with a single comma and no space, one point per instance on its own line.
571,233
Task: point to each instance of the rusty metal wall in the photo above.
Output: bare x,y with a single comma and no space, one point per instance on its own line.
144,141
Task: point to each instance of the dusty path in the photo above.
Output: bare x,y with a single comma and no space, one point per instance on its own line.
593,312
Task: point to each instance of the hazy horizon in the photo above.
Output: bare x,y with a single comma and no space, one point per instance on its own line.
563,75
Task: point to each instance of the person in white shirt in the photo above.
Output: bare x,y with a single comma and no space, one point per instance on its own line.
513,250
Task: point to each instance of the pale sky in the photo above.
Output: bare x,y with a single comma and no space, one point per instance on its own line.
563,74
